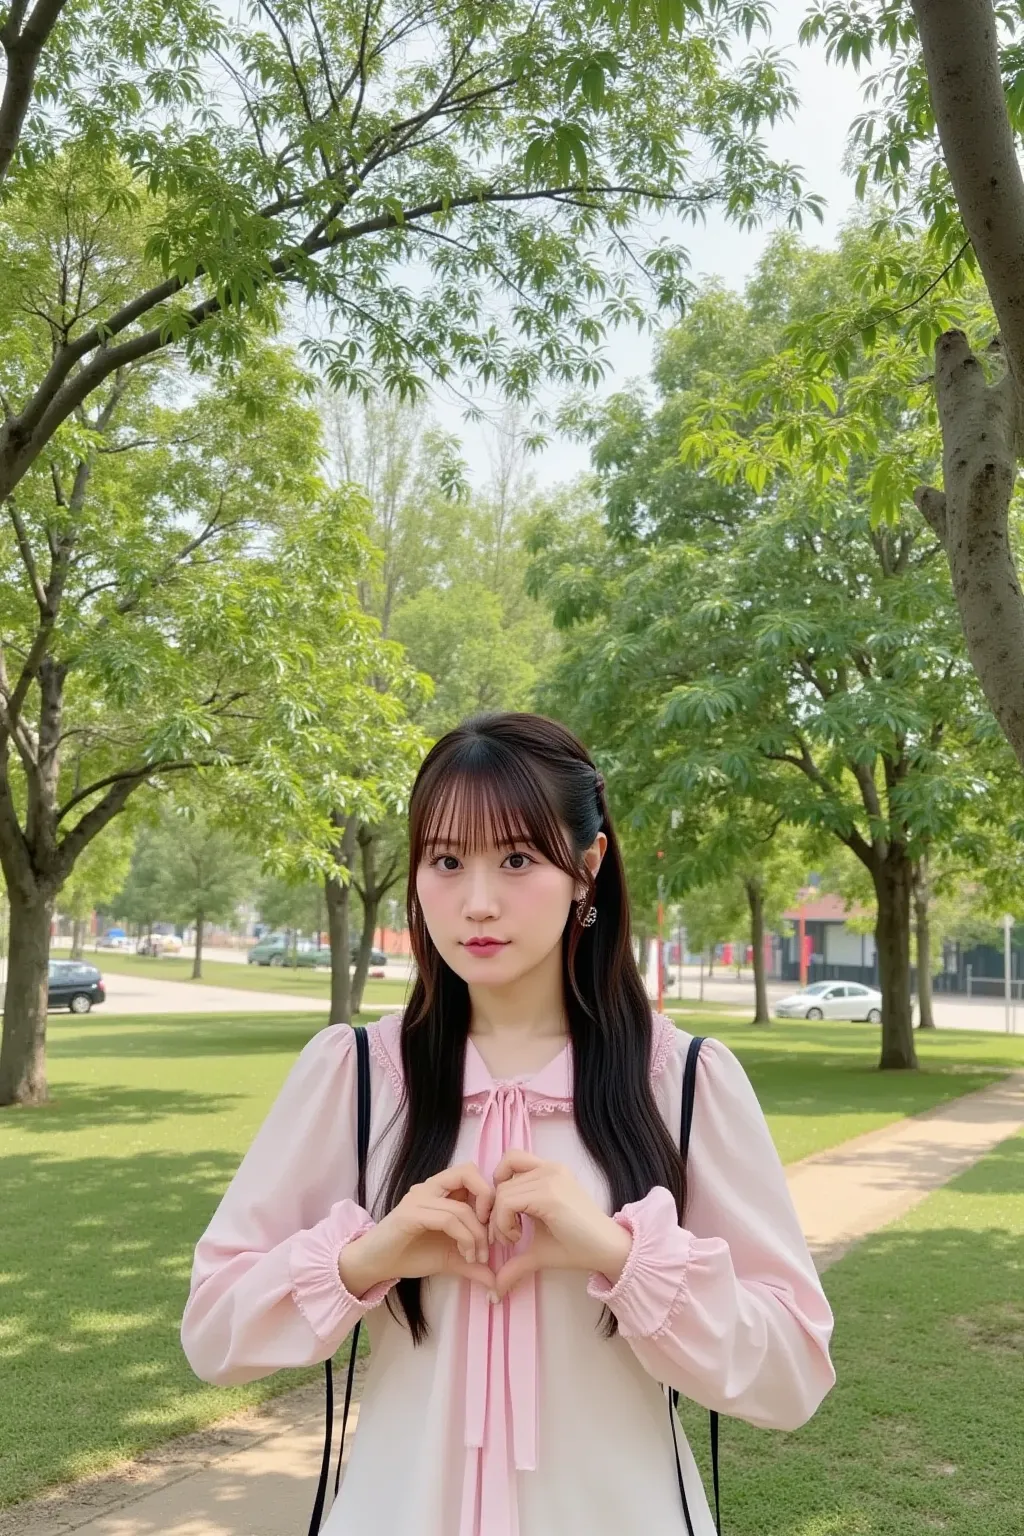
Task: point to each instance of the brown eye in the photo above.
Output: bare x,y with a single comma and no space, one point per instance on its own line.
441,858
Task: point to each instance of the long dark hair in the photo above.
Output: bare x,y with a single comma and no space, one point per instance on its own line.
505,777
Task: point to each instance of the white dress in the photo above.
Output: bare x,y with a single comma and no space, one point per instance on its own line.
520,1419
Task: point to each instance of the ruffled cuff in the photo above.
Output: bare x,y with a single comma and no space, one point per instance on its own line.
653,1280
327,1305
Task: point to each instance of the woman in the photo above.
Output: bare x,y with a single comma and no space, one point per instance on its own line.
525,1189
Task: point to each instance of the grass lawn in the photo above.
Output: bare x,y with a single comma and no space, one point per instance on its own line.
106,1190
923,1430
819,1085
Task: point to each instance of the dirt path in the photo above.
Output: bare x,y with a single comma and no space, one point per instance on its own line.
255,1474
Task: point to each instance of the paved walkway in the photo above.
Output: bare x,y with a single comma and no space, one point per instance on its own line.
255,1474
148,994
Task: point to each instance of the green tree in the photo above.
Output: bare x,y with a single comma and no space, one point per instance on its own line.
179,590
180,178
322,149
139,897
449,588
939,135
383,862
296,906
713,913
204,872
786,648
96,878
757,864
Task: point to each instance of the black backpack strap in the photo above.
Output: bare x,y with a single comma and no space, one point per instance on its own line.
362,1148
686,1120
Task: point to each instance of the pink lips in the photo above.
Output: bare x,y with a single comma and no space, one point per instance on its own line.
484,946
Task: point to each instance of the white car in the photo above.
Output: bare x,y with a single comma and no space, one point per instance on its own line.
832,1000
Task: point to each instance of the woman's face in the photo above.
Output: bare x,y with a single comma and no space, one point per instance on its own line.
510,893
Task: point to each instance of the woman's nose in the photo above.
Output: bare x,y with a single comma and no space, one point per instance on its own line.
480,899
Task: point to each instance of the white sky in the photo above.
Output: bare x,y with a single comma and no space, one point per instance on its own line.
830,98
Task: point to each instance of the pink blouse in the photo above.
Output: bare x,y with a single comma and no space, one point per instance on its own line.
520,1419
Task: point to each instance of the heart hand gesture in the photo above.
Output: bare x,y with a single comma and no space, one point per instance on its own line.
437,1228
569,1230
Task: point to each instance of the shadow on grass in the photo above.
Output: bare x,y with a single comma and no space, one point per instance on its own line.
95,1275
928,1350
76,1106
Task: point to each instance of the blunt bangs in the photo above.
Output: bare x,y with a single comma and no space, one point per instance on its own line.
472,805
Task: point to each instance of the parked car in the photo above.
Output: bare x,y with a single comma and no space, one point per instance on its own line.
277,949
832,1000
114,938
75,985
377,957
158,944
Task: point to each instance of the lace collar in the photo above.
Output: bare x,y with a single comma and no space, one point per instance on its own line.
547,1090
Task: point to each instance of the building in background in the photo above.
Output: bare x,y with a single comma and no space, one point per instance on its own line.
836,951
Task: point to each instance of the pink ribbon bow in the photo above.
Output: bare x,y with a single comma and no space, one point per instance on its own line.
501,1363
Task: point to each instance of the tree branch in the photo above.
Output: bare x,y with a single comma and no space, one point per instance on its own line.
12,728
15,854
22,45
62,391
135,775
853,839
28,559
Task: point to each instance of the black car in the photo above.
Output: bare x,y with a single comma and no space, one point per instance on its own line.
74,985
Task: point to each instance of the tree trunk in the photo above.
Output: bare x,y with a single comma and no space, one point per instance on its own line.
372,891
23,1051
893,879
711,961
197,962
960,44
337,892
922,924
362,964
755,898
78,938
370,895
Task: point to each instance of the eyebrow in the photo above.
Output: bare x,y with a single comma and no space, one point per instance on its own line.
444,842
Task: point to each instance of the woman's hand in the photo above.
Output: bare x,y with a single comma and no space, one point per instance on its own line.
569,1230
438,1227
